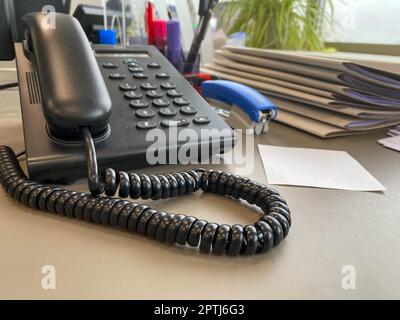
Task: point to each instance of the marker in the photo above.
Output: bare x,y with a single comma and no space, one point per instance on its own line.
160,34
174,50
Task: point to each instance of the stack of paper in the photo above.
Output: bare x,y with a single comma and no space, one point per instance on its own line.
393,142
322,94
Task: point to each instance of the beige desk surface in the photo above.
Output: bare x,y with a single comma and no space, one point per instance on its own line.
330,229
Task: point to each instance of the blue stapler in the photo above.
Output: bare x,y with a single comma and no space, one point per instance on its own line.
241,106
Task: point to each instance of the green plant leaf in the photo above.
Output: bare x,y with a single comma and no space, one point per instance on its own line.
279,24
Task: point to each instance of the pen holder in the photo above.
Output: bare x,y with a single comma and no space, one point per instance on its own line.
193,67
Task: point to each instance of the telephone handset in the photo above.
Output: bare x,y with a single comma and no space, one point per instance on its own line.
74,94
85,105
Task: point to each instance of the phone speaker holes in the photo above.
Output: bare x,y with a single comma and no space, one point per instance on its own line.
33,88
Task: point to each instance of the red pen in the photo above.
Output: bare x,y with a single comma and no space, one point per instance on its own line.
150,23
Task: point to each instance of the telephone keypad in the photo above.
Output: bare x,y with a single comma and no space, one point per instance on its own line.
152,95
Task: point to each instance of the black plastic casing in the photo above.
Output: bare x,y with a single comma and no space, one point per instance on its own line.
125,146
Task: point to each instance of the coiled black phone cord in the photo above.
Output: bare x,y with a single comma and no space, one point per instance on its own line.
267,232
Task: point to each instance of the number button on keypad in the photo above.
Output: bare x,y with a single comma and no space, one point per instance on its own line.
133,95
181,101
175,123
146,125
161,102
168,112
139,104
162,75
145,113
174,93
140,75
154,65
109,65
167,85
127,87
129,60
136,69
188,110
133,64
153,94
148,86
117,76
201,120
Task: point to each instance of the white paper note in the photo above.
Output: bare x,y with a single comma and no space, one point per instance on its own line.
316,168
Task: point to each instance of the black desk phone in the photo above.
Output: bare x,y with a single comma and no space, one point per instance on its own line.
86,106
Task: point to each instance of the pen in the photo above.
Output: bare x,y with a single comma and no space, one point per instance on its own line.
206,8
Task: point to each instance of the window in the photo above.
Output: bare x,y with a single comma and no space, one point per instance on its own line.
365,21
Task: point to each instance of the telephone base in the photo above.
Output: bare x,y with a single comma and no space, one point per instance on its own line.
126,145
